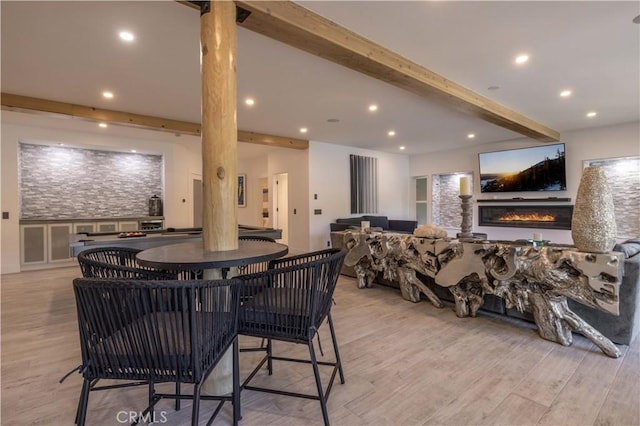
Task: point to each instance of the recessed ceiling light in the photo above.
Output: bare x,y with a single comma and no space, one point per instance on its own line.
333,120
471,135
636,20
108,95
103,125
61,144
391,132
133,150
249,101
402,148
565,93
373,107
126,36
303,130
493,87
591,114
521,59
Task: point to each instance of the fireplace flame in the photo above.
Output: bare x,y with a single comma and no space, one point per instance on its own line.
530,217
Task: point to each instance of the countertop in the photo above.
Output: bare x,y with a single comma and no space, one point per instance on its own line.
93,219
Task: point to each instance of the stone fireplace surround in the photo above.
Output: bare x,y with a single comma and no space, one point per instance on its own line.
526,216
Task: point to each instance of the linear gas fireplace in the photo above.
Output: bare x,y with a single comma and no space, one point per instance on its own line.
545,217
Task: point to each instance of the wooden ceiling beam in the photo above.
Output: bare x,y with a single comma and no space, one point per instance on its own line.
270,140
18,102
296,26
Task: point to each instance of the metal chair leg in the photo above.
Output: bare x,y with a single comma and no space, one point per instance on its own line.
152,395
196,404
237,414
84,401
269,356
316,372
178,394
335,348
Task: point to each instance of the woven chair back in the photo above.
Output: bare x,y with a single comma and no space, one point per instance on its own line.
294,296
159,331
117,262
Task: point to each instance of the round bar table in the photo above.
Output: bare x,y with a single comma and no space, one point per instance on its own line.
192,256
215,264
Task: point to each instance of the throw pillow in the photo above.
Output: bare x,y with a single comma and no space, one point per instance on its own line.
430,231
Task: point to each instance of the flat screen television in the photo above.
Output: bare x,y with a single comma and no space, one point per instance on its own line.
538,168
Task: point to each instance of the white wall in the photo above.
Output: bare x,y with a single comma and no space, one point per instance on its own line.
329,178
602,142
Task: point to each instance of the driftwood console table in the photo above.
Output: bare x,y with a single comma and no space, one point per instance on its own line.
535,279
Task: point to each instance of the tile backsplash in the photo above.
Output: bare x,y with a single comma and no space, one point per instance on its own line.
58,182
446,205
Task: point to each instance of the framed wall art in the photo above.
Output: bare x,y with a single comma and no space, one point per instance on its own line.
242,190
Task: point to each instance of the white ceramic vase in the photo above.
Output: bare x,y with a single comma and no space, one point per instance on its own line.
593,225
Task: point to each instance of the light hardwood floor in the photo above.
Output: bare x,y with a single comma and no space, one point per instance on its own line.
405,364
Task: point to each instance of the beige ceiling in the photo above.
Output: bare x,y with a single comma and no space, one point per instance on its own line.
70,52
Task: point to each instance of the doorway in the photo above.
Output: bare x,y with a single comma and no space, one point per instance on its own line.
196,196
281,204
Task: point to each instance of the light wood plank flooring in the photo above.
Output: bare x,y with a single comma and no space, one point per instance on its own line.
405,364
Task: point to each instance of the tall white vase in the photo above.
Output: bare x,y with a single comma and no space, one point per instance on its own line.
593,226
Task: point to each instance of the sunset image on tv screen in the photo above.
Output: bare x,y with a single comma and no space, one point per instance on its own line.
540,168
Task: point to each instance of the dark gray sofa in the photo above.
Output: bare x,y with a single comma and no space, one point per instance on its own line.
624,328
620,329
390,225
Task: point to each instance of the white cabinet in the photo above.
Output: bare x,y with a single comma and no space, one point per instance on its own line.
128,226
107,227
45,243
58,242
96,227
41,244
84,227
33,244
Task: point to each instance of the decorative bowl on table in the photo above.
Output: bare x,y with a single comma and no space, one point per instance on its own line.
131,234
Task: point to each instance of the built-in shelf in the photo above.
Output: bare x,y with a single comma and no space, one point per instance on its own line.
523,200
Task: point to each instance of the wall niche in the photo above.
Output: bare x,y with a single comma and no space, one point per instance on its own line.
58,182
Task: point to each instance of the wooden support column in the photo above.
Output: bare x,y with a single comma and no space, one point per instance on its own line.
219,150
219,127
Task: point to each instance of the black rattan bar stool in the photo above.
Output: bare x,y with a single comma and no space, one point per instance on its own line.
295,297
150,332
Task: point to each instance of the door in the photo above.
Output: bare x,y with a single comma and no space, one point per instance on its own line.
127,226
84,227
107,227
33,244
421,200
281,202
59,242
196,196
